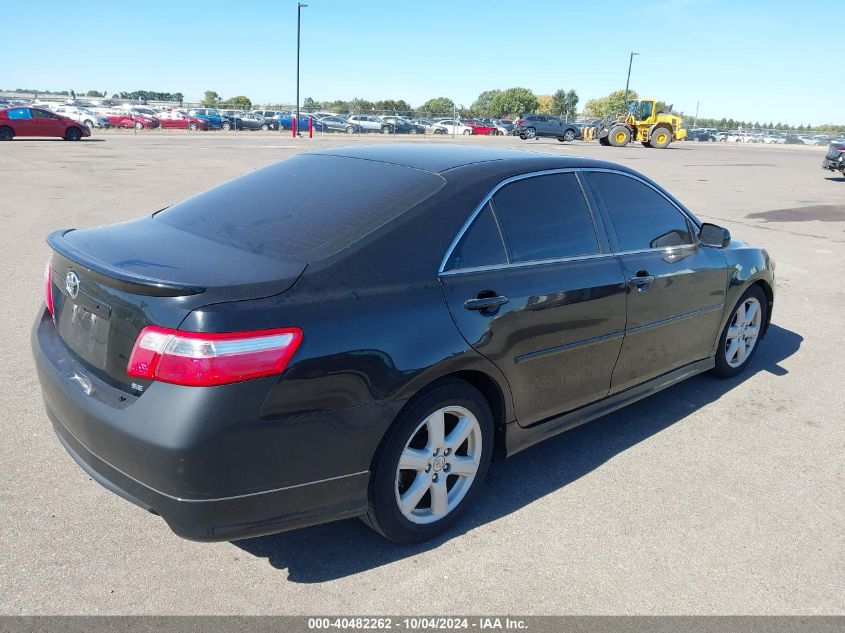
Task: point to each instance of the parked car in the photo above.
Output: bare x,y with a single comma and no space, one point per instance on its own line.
369,123
809,140
450,126
401,125
181,121
286,122
239,363
339,124
212,115
772,139
271,118
481,129
23,121
87,117
249,121
545,125
834,160
125,119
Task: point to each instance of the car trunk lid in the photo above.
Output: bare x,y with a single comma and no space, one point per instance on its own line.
108,283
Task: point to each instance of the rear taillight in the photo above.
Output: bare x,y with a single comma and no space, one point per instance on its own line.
202,360
48,286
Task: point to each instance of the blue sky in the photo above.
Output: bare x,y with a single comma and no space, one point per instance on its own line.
745,59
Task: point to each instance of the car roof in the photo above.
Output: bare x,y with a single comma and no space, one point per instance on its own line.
437,158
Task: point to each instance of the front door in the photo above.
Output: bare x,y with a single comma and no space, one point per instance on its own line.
532,287
676,288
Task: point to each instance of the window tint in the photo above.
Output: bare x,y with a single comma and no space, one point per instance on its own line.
642,217
481,245
545,217
19,113
42,114
262,213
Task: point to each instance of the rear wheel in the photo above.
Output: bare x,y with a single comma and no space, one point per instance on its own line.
89,124
430,463
661,137
385,129
467,132
738,342
192,126
139,125
530,132
439,131
619,136
73,134
350,129
569,135
227,125
6,133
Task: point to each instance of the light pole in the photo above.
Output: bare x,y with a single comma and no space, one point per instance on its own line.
627,81
299,6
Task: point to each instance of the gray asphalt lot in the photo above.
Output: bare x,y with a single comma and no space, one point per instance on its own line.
713,497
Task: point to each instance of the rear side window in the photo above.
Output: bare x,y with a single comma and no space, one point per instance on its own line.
545,217
481,245
19,114
285,210
641,217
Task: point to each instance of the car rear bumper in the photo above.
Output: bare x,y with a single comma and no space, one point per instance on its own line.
833,164
202,458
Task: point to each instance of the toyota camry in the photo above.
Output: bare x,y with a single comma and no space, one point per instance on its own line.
262,356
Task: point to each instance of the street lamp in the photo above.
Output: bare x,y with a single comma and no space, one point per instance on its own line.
299,6
627,81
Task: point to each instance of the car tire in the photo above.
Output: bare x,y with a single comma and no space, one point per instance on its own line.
226,126
89,124
569,136
467,132
523,136
530,132
741,336
193,126
264,127
350,129
6,133
492,133
411,468
619,136
73,134
139,125
439,131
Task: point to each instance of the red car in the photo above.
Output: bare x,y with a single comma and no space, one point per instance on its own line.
128,119
180,121
25,121
479,128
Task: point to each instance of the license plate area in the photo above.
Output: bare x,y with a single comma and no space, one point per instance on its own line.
85,333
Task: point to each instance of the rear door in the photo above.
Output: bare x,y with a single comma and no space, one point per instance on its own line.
676,288
532,286
21,121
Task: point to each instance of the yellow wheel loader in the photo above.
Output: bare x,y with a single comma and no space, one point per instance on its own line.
642,123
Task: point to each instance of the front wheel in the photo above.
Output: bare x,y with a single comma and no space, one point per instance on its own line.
227,126
660,138
467,132
193,126
738,342
73,134
530,132
430,463
385,129
264,127
569,136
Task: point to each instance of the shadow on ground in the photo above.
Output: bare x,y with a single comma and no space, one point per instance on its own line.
340,549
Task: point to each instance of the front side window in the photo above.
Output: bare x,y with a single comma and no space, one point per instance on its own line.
481,245
641,216
545,217
42,114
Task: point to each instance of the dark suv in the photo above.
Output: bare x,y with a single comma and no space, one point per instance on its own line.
834,160
538,125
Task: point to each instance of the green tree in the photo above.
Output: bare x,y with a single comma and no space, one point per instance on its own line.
241,102
309,105
612,104
211,99
178,97
483,104
439,105
565,104
94,93
514,101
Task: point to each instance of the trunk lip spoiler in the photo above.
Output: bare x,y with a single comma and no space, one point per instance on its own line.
140,284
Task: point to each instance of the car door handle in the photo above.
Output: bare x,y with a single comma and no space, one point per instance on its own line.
485,303
641,280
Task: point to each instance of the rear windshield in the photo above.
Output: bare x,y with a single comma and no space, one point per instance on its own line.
304,208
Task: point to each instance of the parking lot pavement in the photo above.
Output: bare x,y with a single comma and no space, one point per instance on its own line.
712,497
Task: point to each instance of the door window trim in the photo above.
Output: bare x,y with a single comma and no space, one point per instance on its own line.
509,264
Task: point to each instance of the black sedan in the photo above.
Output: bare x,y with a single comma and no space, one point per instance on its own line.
265,356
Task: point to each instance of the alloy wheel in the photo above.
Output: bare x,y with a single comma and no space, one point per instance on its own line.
743,332
438,464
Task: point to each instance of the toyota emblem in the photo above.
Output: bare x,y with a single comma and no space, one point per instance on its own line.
72,284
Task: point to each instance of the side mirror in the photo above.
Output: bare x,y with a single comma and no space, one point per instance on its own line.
714,235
